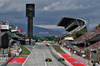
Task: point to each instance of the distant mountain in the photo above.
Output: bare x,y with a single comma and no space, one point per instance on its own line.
38,31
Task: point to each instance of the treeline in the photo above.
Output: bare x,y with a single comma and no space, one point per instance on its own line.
97,26
77,34
55,38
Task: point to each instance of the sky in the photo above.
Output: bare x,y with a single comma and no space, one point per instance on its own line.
48,13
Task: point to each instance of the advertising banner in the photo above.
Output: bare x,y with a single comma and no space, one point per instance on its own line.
20,30
4,27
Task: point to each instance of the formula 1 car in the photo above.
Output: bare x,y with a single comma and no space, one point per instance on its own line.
61,59
48,60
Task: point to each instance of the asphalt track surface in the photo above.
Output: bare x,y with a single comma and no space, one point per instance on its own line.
38,56
28,47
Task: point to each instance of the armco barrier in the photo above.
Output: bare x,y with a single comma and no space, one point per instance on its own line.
54,53
5,63
75,56
65,50
80,59
3,59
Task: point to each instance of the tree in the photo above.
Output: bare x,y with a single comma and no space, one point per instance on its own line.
56,38
74,34
97,26
77,34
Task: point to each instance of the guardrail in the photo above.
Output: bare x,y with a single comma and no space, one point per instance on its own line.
75,56
3,59
65,50
54,53
80,59
8,60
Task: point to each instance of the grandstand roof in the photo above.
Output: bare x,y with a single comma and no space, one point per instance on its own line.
72,24
65,21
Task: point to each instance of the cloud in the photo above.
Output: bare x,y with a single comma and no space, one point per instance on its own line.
66,5
13,6
50,7
2,2
49,12
49,26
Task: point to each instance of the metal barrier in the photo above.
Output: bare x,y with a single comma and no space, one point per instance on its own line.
75,56
8,60
80,59
54,53
97,64
67,51
95,56
3,59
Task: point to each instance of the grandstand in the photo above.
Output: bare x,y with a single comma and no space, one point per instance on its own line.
90,36
89,42
76,24
72,24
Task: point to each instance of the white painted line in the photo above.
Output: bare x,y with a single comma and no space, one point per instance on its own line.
44,58
28,49
27,57
65,60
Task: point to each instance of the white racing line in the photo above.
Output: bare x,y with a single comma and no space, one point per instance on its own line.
44,58
27,57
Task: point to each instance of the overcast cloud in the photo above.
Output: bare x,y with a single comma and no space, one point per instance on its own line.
49,12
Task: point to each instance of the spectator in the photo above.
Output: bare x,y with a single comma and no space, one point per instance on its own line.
91,60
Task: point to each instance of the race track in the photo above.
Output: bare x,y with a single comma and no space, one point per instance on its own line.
38,56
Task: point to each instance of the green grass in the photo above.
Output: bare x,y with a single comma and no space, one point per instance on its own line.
58,49
93,59
25,51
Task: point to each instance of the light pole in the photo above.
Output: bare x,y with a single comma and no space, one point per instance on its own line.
58,34
59,37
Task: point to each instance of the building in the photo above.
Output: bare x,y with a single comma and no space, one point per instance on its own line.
72,24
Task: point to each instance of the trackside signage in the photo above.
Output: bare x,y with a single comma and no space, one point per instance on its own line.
4,27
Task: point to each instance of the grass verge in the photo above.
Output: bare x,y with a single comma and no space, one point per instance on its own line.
25,51
58,49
